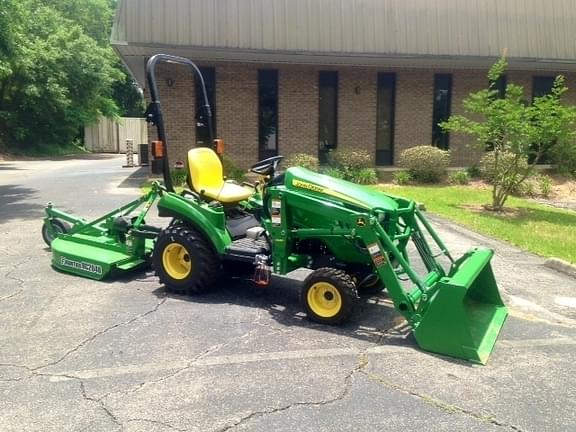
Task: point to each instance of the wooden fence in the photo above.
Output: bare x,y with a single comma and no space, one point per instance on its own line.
109,136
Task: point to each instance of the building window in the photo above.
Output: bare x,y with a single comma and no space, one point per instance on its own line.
500,86
385,118
268,113
327,114
542,86
441,110
202,132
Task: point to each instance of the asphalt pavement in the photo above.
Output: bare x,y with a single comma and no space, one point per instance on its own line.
123,355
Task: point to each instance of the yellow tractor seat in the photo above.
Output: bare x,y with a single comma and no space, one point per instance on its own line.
207,177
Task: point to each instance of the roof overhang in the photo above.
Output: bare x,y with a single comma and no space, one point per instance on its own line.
134,56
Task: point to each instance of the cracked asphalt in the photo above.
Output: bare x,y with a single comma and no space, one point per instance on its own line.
123,355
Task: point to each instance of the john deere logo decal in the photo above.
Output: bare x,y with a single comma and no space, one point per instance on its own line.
326,191
361,222
79,265
309,186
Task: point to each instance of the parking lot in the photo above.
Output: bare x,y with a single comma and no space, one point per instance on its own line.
81,355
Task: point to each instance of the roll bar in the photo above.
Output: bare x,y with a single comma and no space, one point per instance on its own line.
154,111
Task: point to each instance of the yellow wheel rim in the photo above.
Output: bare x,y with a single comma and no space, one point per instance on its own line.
176,261
324,299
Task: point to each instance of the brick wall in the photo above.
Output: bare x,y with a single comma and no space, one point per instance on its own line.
464,149
237,108
178,108
237,111
357,109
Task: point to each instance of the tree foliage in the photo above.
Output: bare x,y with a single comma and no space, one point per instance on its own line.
57,70
518,134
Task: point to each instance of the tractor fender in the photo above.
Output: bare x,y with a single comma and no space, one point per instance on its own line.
210,223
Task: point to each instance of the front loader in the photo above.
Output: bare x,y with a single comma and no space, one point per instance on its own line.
352,238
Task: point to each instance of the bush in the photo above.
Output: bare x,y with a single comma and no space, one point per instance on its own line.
303,160
545,185
426,164
351,159
537,185
365,176
352,165
178,174
528,188
402,178
564,157
459,177
232,171
333,172
474,171
501,173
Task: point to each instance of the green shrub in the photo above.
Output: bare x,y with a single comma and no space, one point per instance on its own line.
232,171
353,165
564,157
351,159
333,172
545,185
402,177
528,188
474,171
426,164
303,160
178,174
459,177
500,172
534,186
365,176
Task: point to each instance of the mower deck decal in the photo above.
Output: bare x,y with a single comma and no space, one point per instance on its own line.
81,265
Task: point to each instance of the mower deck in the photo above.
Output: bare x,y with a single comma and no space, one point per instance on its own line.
94,257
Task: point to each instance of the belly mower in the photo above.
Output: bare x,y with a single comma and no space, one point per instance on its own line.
351,237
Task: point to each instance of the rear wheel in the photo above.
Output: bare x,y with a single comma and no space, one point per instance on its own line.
328,295
185,261
58,227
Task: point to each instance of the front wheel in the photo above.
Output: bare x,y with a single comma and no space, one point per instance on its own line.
184,260
52,228
328,295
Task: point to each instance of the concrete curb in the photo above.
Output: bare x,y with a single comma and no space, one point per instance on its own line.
561,266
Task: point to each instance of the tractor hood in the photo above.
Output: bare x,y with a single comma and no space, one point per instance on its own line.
302,179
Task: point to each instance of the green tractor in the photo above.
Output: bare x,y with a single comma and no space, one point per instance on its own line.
351,237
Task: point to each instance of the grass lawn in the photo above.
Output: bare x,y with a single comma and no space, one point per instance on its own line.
540,229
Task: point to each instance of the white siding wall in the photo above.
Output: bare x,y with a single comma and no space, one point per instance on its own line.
527,28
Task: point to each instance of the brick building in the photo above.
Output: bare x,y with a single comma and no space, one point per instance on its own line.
312,75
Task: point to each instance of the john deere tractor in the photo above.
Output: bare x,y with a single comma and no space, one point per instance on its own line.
351,237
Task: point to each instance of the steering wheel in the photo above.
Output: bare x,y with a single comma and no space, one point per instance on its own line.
266,167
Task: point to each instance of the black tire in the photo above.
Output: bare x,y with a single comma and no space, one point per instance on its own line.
58,226
328,296
371,287
194,249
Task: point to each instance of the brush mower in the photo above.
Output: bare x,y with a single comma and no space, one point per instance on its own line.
351,237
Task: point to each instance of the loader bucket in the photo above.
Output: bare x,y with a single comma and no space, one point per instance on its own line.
465,314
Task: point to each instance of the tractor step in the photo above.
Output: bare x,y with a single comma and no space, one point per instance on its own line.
245,250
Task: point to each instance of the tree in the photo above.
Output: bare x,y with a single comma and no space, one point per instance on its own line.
58,72
518,134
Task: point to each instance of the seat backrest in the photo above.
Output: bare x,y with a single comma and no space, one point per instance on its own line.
205,169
